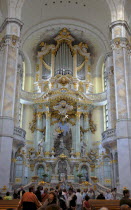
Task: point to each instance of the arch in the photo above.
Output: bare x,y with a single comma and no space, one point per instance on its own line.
67,23
85,165
37,166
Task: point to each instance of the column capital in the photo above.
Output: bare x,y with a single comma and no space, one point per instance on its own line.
11,40
48,115
78,114
119,43
39,114
86,115
11,20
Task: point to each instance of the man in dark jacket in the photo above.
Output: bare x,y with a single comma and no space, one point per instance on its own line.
125,199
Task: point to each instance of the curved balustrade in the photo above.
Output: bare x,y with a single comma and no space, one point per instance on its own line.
108,136
19,135
19,132
97,97
28,96
108,133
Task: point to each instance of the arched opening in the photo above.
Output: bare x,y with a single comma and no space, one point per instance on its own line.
40,172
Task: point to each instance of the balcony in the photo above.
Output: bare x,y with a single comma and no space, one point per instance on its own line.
19,136
108,137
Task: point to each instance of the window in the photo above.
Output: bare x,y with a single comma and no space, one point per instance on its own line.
107,168
19,166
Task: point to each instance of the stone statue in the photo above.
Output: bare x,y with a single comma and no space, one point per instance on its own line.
83,148
40,146
62,148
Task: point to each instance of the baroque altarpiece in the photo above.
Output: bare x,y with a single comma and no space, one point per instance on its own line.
63,103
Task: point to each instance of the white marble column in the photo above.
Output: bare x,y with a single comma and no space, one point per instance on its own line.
120,47
75,64
52,63
10,48
109,76
78,146
47,135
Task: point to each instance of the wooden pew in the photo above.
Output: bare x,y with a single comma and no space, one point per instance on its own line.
110,204
5,204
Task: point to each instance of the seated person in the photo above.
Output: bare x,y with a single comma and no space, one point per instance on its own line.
8,196
29,200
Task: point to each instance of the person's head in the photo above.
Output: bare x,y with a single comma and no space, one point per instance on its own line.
108,191
87,197
74,198
31,189
126,193
103,208
70,191
8,193
38,188
57,187
60,192
124,207
78,190
52,197
64,190
115,189
45,190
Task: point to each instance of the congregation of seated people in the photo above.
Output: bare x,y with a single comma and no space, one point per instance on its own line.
61,199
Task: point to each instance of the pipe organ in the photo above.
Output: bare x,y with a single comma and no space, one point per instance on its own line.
63,59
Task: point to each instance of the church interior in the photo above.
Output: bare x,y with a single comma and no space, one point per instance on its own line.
65,93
